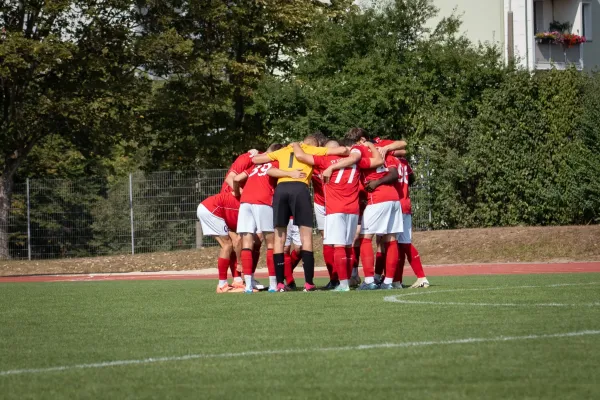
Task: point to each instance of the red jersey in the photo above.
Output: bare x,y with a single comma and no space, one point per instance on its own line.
341,192
317,184
240,164
383,193
404,171
260,187
226,206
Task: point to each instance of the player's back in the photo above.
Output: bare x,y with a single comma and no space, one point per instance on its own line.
223,205
341,192
259,187
385,192
241,164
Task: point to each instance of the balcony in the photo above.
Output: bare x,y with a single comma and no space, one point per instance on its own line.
550,55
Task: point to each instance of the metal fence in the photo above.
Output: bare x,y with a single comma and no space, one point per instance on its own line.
140,213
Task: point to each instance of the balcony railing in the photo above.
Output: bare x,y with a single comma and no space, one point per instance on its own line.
551,55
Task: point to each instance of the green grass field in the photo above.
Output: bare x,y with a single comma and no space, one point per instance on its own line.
303,345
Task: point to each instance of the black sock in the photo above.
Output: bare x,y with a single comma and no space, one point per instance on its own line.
308,259
279,261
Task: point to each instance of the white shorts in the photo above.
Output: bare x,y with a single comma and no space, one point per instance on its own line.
293,234
406,235
340,229
320,216
255,218
211,224
382,219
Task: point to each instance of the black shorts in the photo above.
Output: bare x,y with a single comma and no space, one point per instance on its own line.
292,199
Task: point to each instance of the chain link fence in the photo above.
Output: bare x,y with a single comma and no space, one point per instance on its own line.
140,213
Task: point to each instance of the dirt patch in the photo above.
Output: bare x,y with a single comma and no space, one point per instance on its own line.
494,245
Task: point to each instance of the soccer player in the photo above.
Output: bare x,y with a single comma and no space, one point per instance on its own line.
292,198
341,208
406,248
256,214
218,216
382,216
319,204
241,163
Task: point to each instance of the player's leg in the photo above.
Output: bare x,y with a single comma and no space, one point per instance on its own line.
367,256
234,265
328,250
404,238
391,244
216,227
258,239
343,256
409,251
247,259
355,278
379,260
301,209
263,215
281,218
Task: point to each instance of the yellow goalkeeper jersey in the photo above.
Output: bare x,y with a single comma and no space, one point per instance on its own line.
289,162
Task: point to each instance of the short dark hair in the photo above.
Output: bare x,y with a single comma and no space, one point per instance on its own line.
274,147
320,138
347,142
356,134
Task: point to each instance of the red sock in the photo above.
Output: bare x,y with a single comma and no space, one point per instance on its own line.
367,257
391,258
379,263
287,267
414,259
270,262
355,256
341,262
400,268
350,258
328,256
233,265
247,261
222,266
255,256
296,258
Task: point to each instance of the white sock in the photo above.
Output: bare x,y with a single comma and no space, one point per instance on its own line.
343,283
355,272
238,279
388,281
377,277
222,283
272,282
369,279
248,282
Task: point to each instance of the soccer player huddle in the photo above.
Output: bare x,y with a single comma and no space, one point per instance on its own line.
361,193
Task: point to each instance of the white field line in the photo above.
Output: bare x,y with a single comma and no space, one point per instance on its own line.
397,298
295,351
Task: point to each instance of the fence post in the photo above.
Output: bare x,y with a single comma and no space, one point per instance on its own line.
131,214
28,224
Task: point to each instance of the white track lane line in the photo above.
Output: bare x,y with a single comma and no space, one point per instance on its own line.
295,351
421,292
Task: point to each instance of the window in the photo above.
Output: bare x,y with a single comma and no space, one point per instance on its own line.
586,20
538,17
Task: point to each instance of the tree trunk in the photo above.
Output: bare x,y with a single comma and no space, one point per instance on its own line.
6,191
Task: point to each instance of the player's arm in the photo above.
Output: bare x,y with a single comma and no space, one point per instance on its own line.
377,158
396,145
261,158
237,190
230,178
302,156
399,153
390,177
278,173
338,151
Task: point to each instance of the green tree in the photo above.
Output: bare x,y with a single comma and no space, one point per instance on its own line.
68,68
216,55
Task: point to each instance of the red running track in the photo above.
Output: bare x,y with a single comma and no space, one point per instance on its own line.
432,270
